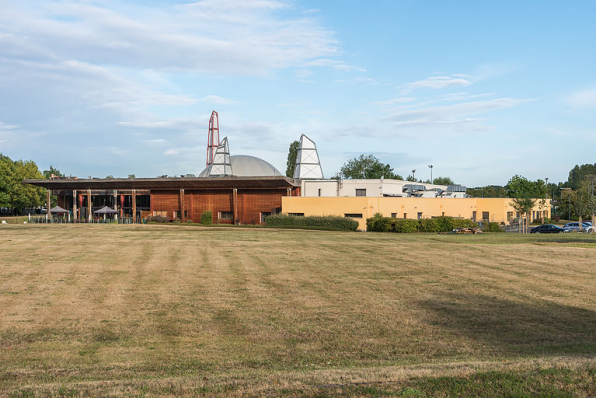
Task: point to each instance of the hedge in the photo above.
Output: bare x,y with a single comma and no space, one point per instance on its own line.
491,227
330,223
207,217
379,223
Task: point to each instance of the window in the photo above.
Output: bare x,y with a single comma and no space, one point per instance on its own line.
473,216
185,213
175,214
160,213
319,191
405,215
509,215
420,216
225,215
393,215
264,215
443,214
361,192
353,215
485,216
296,214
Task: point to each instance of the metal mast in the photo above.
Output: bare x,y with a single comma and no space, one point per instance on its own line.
212,137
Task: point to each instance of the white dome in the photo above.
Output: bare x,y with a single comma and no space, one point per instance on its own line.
248,166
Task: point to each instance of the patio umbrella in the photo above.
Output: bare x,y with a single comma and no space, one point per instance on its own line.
58,210
105,210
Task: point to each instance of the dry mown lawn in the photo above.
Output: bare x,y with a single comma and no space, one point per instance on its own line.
175,310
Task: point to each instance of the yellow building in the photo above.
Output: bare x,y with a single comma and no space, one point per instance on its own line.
360,208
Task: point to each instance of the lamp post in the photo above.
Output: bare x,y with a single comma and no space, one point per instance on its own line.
413,177
430,166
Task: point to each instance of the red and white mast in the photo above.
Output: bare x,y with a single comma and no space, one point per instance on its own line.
212,137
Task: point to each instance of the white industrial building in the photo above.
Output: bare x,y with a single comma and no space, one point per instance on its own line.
380,188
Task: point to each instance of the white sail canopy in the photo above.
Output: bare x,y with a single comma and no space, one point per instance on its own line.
308,165
221,165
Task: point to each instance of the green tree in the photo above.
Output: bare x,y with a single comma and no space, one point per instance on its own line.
443,181
47,174
525,193
367,167
292,155
489,191
13,193
578,174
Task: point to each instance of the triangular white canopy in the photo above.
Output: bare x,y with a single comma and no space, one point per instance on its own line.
221,165
58,210
105,210
308,165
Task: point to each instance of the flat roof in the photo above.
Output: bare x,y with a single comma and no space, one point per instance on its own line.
168,183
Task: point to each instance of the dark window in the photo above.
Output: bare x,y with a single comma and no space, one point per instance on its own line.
353,215
264,215
361,192
420,216
393,215
485,216
296,214
225,215
473,216
405,215
185,213
319,191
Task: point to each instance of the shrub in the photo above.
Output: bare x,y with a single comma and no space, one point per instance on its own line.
378,223
491,227
158,219
207,217
330,223
189,221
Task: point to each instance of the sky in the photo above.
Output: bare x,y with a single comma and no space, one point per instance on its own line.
481,90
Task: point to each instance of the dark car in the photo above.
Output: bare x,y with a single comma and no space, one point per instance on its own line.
548,229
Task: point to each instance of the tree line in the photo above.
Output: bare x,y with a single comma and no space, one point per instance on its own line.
16,196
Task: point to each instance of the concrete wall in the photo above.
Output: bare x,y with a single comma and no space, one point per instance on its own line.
497,208
374,188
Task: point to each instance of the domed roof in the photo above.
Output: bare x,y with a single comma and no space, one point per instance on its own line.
248,166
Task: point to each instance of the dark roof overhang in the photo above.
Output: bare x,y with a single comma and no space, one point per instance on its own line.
168,183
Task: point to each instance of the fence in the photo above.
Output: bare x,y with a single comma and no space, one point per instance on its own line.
65,220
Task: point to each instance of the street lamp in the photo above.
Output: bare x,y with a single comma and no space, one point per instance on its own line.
413,172
430,166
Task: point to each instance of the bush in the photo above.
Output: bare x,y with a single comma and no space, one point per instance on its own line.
378,223
491,227
207,217
189,221
158,219
330,223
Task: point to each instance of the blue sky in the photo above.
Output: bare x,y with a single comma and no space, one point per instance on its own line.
481,90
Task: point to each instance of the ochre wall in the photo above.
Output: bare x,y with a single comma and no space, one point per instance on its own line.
429,207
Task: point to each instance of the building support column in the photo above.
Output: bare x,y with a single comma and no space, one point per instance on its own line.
89,208
49,204
182,218
235,206
74,204
134,206
116,203
289,192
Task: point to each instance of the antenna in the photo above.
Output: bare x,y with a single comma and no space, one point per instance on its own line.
212,137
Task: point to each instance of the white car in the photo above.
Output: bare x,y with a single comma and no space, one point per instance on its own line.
574,226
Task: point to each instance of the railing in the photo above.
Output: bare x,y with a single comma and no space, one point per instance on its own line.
65,220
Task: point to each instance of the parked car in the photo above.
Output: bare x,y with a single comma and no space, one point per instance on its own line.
574,226
548,229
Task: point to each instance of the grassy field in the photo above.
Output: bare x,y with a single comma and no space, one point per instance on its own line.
96,310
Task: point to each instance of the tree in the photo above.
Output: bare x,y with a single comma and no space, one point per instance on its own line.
367,167
578,174
13,193
292,155
525,193
443,181
47,174
489,191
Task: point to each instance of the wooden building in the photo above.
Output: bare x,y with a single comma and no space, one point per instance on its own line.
238,200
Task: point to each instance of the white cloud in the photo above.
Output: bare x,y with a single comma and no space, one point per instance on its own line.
4,126
394,101
335,64
583,99
215,99
170,152
448,119
437,82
